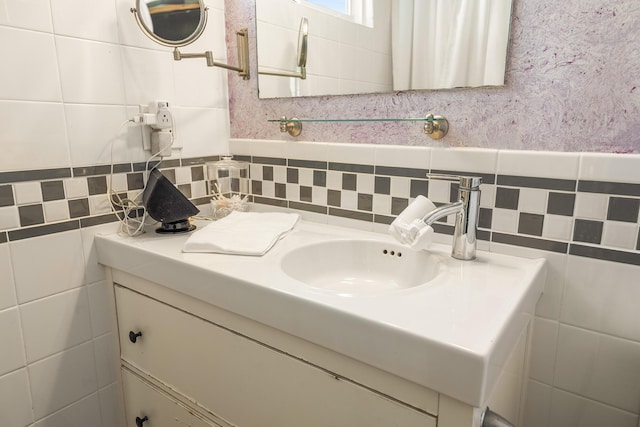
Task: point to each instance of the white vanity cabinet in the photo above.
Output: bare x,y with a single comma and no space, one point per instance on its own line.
222,340
224,375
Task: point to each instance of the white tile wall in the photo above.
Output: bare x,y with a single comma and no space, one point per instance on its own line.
602,296
11,338
15,399
78,70
77,414
60,265
62,379
599,367
57,323
7,289
572,410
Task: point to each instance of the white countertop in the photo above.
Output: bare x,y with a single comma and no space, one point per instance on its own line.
452,335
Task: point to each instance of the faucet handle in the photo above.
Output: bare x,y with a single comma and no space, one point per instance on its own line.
465,182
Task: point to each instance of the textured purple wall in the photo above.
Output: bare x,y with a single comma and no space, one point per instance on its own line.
573,84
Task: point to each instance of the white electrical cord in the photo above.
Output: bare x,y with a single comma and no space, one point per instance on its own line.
125,209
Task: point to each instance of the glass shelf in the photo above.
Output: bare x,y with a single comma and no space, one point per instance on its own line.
406,119
434,126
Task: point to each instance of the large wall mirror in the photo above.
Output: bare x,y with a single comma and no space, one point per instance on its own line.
370,46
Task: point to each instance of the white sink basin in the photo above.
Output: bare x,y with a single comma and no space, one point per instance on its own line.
360,267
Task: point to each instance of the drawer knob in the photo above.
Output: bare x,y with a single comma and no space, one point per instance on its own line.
140,421
133,337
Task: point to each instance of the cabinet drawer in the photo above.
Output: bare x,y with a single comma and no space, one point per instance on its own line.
243,381
144,401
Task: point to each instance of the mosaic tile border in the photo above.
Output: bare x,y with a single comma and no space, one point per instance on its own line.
536,212
40,202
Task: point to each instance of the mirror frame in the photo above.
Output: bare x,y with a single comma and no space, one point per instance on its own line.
171,43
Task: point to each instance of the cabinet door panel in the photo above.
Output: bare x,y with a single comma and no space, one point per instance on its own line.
243,381
142,401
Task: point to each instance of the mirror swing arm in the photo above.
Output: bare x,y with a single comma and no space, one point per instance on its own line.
242,37
301,57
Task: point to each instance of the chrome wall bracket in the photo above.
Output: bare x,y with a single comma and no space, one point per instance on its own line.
436,126
293,126
242,37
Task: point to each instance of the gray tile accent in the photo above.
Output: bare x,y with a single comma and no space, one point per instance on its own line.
51,190
31,215
142,166
398,204
272,202
443,228
165,164
365,202
97,185
197,173
42,230
399,171
349,181
6,196
561,203
242,158
270,161
535,182
292,175
530,242
343,213
34,175
319,178
122,168
485,218
256,187
418,188
135,181
605,254
483,235
530,224
306,194
170,174
453,192
195,161
638,242
97,220
309,164
617,188
92,170
78,208
507,198
350,167
3,237
185,189
623,209
308,207
281,190
382,185
383,219
334,198
587,231
487,178
267,173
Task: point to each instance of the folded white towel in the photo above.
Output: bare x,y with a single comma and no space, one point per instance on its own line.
242,233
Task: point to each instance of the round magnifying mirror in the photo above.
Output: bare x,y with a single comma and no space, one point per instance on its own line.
173,23
303,35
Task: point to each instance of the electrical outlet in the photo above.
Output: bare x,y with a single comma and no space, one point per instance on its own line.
154,117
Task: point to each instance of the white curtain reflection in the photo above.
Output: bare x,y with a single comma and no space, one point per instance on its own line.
449,43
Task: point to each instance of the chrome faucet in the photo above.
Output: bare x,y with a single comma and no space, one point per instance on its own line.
467,210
